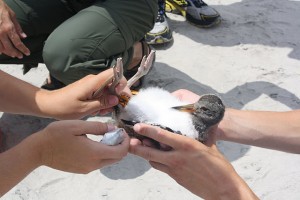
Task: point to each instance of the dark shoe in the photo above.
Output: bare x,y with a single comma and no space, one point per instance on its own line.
28,66
201,15
52,83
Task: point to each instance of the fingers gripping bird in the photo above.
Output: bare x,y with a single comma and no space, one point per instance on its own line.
158,107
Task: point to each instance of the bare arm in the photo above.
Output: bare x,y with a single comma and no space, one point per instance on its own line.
18,162
62,145
17,96
273,130
267,129
71,102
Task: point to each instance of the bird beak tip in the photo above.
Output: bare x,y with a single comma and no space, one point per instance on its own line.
185,108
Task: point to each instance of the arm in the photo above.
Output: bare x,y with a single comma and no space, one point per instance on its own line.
62,145
273,130
201,169
71,102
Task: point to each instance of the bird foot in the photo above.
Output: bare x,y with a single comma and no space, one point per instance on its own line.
143,69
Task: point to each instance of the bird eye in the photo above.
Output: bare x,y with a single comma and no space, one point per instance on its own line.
204,109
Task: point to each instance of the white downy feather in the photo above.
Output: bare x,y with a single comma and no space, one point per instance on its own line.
153,105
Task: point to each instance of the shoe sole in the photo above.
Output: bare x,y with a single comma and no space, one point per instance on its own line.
191,20
159,40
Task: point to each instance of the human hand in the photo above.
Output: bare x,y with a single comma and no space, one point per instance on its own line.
201,169
65,146
186,95
76,100
11,34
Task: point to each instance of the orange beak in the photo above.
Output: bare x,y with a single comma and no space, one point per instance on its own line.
186,108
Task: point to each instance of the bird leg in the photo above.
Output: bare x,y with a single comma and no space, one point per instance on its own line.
114,79
143,69
118,74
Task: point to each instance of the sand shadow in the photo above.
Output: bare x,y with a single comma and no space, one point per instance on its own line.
249,22
171,79
128,168
17,127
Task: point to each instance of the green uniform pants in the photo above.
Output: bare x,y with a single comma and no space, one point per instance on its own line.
75,44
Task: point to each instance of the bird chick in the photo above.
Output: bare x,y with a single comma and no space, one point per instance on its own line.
157,106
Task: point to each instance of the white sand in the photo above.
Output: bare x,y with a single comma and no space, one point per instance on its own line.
252,60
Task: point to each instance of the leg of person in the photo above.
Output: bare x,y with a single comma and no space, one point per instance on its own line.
90,41
161,32
37,21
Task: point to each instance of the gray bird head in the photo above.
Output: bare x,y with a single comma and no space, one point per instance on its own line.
210,109
206,112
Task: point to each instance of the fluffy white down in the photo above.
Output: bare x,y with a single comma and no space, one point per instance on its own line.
153,105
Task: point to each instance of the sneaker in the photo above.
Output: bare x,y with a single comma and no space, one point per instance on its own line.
161,32
202,15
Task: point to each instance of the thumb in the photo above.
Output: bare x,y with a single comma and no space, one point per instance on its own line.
100,79
94,128
91,83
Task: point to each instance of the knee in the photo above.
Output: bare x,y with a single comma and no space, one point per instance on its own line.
55,56
61,56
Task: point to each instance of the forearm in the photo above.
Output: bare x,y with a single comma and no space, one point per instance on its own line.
237,188
20,97
274,130
18,162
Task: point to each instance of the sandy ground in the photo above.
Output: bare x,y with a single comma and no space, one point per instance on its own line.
252,60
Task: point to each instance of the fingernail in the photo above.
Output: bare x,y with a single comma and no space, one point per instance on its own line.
110,127
113,100
23,35
136,127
